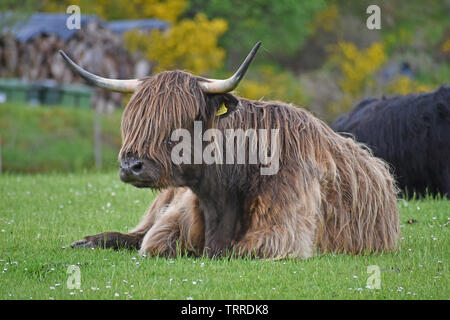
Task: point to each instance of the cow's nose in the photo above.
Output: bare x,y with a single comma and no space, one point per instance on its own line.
137,166
130,169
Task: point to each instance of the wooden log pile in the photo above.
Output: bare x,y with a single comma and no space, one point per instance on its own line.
94,47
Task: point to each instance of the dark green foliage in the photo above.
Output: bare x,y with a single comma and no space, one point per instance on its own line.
282,26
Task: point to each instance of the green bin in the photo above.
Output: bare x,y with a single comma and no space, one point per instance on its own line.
34,94
76,96
50,93
13,90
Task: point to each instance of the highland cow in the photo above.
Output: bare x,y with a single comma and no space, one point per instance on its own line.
329,194
411,133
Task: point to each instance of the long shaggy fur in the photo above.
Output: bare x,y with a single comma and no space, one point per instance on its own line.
330,194
411,133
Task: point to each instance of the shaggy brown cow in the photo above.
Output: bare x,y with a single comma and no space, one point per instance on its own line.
329,194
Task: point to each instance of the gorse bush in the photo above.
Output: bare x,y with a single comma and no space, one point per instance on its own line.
326,19
188,44
269,84
357,67
445,47
357,75
168,10
405,85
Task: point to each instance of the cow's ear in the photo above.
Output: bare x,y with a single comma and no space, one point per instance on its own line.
225,105
443,110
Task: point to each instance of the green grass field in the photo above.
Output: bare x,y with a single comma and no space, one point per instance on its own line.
40,215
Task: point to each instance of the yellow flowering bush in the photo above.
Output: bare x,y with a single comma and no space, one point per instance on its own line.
188,44
357,75
272,85
327,18
357,67
168,10
446,46
405,85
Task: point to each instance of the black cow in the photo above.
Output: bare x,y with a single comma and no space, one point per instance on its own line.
410,132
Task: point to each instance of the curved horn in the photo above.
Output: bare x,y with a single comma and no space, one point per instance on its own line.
227,85
125,86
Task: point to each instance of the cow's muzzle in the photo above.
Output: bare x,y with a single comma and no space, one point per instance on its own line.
131,170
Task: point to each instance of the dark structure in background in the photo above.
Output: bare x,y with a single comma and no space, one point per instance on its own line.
33,71
410,132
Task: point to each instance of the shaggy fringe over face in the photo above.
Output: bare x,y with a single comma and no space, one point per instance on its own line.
164,102
330,194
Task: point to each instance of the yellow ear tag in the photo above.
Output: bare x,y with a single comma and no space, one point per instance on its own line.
222,110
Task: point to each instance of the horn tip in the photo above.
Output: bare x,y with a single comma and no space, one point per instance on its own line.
63,54
255,48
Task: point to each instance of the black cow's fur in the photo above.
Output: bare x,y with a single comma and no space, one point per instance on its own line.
410,132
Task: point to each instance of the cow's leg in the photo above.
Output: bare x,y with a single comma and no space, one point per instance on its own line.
220,232
282,229
180,229
276,241
222,223
133,239
162,238
177,232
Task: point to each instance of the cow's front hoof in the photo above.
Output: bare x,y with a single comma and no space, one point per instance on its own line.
96,241
109,240
83,243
